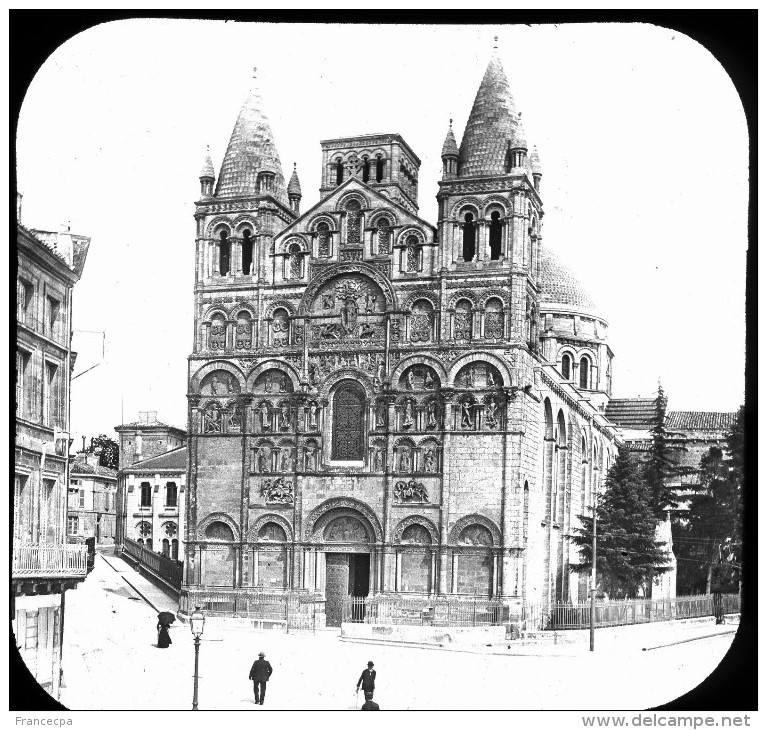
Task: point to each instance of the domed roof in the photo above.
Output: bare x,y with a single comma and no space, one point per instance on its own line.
560,286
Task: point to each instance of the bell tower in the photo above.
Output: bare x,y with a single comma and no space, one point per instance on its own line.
489,203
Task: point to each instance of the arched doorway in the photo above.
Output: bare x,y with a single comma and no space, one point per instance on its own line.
344,538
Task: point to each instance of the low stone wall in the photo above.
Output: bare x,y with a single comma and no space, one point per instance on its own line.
437,635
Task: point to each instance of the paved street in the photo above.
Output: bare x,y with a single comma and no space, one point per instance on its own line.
111,662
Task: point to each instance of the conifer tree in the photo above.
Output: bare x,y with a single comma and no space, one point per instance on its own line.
659,465
628,556
708,538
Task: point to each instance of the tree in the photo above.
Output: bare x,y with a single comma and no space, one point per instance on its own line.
660,467
107,449
628,556
708,539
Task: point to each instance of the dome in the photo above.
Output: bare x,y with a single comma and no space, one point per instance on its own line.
560,286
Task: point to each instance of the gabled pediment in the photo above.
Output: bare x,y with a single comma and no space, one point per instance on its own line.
374,202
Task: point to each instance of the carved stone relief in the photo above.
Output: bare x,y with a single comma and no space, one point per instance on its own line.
410,491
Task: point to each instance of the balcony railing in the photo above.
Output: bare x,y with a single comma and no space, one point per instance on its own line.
49,561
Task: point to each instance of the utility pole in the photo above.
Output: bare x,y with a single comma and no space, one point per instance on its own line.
592,612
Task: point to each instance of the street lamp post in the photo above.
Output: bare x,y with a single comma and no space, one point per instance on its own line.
197,624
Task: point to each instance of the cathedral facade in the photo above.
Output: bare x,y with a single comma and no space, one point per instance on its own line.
378,404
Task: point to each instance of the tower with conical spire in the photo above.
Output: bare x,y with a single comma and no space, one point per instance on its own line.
294,191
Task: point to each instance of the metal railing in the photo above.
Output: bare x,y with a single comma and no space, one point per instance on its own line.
292,611
422,610
170,572
54,561
538,617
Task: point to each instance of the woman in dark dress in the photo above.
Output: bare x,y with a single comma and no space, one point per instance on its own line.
163,638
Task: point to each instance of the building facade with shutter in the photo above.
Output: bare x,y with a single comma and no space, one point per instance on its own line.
378,404
43,566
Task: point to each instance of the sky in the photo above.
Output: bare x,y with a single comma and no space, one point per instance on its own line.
641,134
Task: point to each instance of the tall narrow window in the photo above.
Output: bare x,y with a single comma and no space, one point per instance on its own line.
54,307
384,236
353,216
244,334
413,254
462,321
23,300
379,168
496,235
224,254
294,261
247,252
73,525
146,494
22,360
366,170
323,240
567,366
171,494
339,172
348,423
81,503
50,395
217,338
166,547
584,372
469,237
174,549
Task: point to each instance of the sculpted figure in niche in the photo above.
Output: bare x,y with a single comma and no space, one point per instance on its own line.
235,418
404,460
408,419
381,415
429,460
283,383
286,460
428,379
380,371
219,384
349,315
284,416
431,415
311,459
378,459
268,382
410,380
264,416
263,459
313,415
491,413
466,414
213,420
314,371
490,378
328,301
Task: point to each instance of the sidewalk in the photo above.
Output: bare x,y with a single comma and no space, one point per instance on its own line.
158,598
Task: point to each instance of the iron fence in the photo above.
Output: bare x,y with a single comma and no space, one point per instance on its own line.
171,572
293,612
539,617
422,610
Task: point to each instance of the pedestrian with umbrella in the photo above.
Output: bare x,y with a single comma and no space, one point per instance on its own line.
164,620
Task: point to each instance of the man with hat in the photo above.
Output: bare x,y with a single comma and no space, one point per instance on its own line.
369,704
367,680
260,673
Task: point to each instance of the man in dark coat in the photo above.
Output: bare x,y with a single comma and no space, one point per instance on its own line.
260,673
369,704
367,679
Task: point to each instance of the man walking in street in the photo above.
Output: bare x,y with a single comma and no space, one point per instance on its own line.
369,704
260,673
367,680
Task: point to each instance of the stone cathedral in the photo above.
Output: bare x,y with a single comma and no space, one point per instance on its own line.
378,404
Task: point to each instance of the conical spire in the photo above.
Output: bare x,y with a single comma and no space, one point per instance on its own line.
294,186
492,124
207,167
521,141
535,161
450,147
251,151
